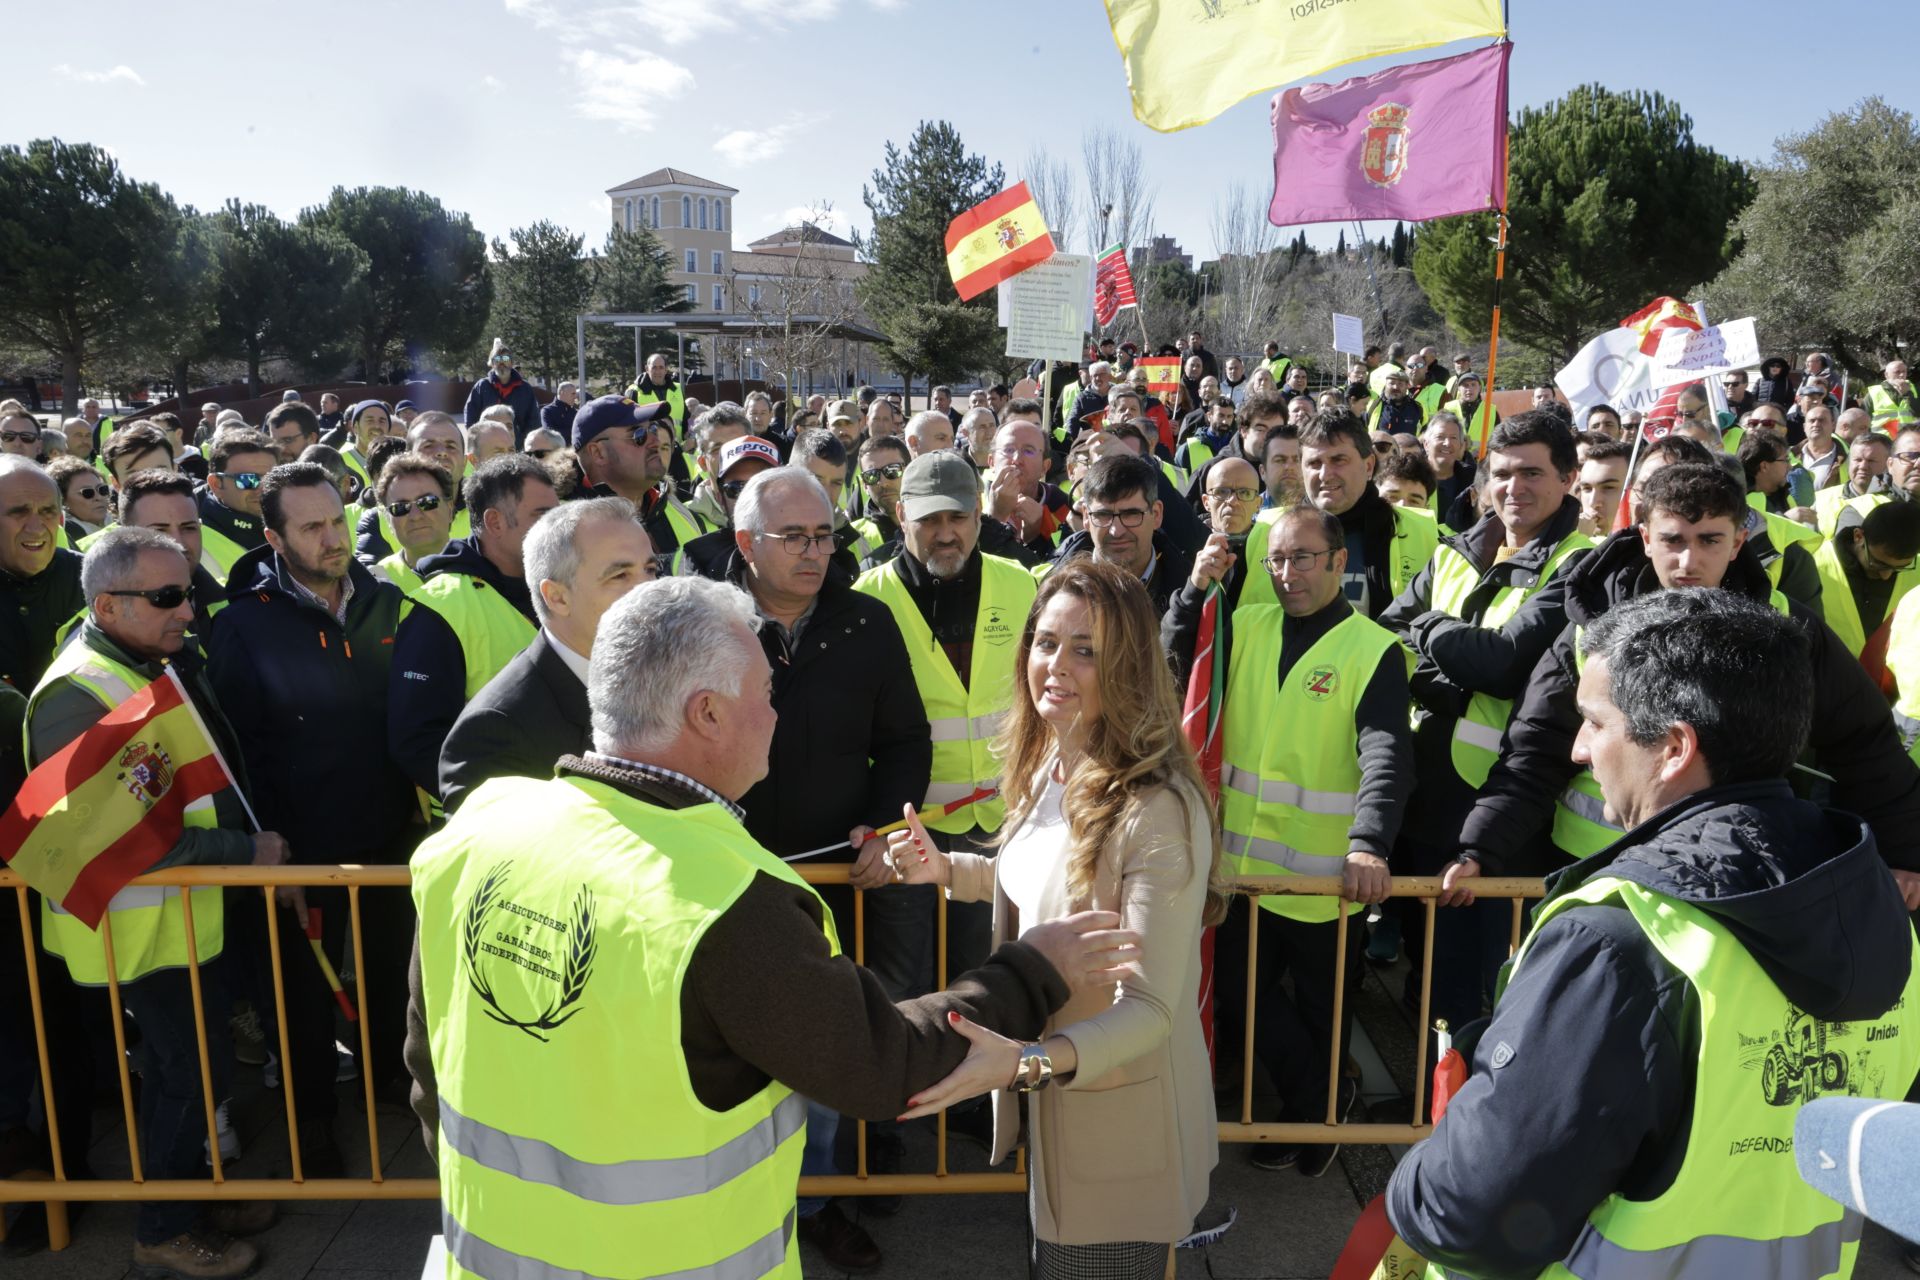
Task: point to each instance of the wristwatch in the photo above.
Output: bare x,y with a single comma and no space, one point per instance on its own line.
1035,1070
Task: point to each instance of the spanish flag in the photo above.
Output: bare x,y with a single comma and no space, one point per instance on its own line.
1163,372
1652,321
996,239
111,803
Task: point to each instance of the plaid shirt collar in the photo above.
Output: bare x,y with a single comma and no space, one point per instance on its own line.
674,777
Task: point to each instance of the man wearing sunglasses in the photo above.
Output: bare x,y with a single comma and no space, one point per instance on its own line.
738,462
435,437
20,435
416,500
230,523
623,449
1868,564
140,609
882,463
502,385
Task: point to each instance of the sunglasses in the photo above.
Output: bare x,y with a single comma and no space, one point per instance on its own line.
401,506
733,488
892,471
91,492
20,437
538,453
161,597
241,480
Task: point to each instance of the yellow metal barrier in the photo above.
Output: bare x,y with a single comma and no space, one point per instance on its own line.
58,1189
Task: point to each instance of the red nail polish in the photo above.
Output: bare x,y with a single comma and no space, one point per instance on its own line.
952,1016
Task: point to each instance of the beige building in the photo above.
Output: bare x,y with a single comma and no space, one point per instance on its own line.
693,217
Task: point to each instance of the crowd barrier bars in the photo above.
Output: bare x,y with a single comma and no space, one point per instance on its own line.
55,1189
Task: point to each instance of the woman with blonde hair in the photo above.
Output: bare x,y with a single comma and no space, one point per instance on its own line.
1105,809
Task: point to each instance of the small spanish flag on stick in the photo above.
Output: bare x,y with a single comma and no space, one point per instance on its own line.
996,239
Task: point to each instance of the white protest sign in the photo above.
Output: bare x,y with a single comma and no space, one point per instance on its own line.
1611,370
1686,355
1049,308
1348,334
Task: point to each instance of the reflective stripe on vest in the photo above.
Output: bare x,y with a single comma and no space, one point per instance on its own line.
965,717
149,925
1883,404
1279,791
576,910
1737,1205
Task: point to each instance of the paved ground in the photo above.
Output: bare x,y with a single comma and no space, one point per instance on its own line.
1288,1225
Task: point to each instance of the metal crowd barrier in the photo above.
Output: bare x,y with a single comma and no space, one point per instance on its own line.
55,1189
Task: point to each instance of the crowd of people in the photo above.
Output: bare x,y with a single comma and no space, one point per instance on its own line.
982,616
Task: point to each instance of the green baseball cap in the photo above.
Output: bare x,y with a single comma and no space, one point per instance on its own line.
939,481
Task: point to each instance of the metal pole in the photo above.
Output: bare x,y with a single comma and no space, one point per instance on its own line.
580,350
639,364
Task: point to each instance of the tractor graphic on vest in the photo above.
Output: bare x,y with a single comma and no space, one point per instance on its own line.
1799,1067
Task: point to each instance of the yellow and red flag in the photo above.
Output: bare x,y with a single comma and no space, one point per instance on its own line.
996,239
1658,316
111,803
1163,372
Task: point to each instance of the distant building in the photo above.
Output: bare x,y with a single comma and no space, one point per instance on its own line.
1161,249
693,218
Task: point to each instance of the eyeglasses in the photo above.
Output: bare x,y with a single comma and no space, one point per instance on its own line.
241,480
91,492
20,437
402,506
1233,495
1299,561
798,544
892,471
1130,519
160,597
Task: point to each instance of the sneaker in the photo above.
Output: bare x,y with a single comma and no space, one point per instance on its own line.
195,1255
840,1240
1383,941
229,1140
319,1154
242,1217
1273,1155
1316,1158
249,1040
345,1068
270,1071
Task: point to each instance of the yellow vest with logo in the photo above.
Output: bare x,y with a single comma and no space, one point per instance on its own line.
1416,535
149,925
1477,734
965,718
1883,405
1903,660
571,1141
1836,595
1290,758
491,631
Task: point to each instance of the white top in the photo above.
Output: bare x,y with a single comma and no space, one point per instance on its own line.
1030,860
575,663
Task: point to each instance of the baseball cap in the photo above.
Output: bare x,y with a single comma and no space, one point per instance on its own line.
939,481
402,404
841,415
608,413
734,451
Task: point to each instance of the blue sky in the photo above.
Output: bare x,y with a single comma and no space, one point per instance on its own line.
514,110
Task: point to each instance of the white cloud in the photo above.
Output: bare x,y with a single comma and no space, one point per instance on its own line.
626,87
670,22
491,84
121,74
746,146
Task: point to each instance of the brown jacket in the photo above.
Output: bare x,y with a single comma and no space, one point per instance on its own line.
1123,1149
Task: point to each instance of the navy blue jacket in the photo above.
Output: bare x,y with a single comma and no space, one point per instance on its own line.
428,685
557,415
307,699
514,394
1582,1083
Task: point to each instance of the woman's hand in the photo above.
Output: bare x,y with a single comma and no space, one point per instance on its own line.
912,856
990,1063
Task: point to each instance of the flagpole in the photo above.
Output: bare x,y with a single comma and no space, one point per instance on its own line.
1499,275
239,793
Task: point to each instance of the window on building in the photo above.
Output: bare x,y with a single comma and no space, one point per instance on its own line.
719,297
718,269
654,221
629,206
693,295
703,213
753,295
686,211
693,261
719,215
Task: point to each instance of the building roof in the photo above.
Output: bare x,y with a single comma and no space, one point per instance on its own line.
802,233
674,178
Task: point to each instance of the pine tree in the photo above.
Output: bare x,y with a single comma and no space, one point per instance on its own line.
629,277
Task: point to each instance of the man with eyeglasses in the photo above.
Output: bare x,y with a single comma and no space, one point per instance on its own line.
1018,494
292,427
230,521
473,611
1866,568
139,586
623,449
712,431
1124,513
502,385
736,462
581,557
539,444
1316,706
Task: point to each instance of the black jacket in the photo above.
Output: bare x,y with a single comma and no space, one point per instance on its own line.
1582,1084
851,746
307,699
1171,565
31,611
1853,737
429,681
1456,657
527,717
557,415
514,394
1385,739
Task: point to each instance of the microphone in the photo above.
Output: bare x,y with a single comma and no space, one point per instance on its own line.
1859,1151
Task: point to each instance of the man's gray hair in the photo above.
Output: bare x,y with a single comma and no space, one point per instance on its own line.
926,418
552,551
568,385
657,647
470,435
1097,366
13,464
747,513
974,417
113,562
726,413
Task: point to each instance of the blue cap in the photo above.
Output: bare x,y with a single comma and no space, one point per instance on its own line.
610,413
403,404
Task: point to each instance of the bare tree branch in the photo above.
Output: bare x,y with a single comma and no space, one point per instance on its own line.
1051,182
